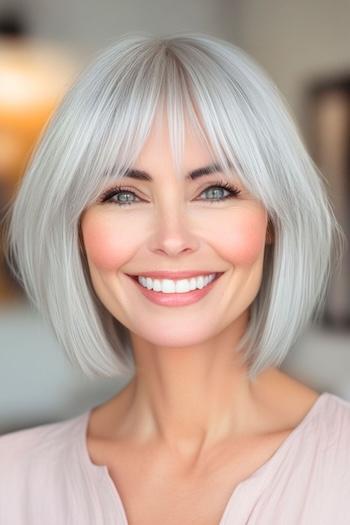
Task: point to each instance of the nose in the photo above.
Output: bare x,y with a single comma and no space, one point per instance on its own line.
172,235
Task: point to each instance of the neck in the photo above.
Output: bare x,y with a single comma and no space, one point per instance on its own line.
190,398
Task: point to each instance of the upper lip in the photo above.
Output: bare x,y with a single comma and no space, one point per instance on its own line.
173,275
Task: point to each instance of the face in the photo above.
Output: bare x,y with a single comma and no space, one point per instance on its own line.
176,224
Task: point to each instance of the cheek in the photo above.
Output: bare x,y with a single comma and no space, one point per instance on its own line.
105,243
243,237
239,238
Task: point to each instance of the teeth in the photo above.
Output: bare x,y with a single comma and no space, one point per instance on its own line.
179,286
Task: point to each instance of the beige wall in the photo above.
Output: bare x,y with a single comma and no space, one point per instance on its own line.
294,40
90,24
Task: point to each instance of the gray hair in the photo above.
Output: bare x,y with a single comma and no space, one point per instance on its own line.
100,127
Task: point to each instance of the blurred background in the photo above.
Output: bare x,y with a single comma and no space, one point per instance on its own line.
303,46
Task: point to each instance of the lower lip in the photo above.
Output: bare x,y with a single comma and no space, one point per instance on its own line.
176,299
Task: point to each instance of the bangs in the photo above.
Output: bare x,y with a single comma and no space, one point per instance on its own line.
122,108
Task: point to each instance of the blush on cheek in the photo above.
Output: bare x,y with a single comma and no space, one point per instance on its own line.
245,240
104,243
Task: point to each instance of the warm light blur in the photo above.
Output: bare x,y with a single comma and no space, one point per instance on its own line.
34,75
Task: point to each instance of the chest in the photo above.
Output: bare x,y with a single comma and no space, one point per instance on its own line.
156,502
154,491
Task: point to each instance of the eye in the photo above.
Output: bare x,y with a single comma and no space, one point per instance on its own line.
219,186
117,191
124,196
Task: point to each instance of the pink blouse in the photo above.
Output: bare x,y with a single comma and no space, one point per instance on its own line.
48,478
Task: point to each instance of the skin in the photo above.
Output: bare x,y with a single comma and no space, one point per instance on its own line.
190,394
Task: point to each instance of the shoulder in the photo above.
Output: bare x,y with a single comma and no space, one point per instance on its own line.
318,448
36,462
308,479
327,428
312,474
327,476
325,453
36,444
335,420
335,434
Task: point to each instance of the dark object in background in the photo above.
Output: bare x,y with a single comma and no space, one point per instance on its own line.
328,105
12,24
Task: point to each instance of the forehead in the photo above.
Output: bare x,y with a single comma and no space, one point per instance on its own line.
157,148
180,148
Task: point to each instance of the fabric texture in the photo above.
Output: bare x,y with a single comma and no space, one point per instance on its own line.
47,476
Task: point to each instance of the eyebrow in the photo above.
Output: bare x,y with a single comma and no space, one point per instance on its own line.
192,175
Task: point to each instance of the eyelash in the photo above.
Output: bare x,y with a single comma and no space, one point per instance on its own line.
116,190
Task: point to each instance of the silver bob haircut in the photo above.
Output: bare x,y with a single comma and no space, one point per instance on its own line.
98,130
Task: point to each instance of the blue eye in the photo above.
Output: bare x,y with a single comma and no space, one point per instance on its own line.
119,191
233,192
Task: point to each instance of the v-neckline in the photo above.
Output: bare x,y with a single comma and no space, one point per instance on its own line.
259,476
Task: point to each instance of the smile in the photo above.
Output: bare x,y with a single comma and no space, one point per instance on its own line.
176,286
168,292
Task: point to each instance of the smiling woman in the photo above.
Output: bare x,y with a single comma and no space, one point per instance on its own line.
97,134
172,226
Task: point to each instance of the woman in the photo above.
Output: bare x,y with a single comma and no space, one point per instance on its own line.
171,226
